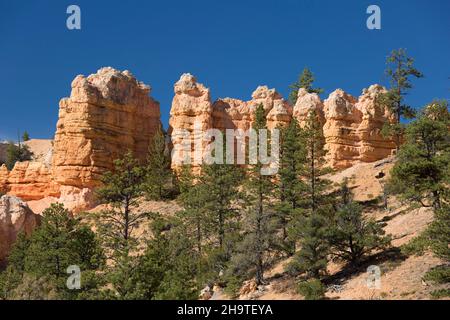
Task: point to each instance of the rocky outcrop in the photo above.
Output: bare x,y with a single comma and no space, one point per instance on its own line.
190,117
107,114
193,113
15,217
3,178
351,127
305,104
31,180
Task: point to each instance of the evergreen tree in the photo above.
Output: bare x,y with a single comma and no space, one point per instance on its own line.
291,187
309,226
25,136
252,257
193,197
315,164
312,258
221,184
116,225
352,236
422,172
400,68
42,260
158,175
169,266
305,80
17,153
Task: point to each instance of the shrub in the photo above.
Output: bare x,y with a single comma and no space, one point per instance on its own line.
312,289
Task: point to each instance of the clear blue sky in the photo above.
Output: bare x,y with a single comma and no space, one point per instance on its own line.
231,46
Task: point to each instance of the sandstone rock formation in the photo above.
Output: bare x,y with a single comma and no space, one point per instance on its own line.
15,217
106,114
3,178
31,180
307,102
190,117
193,113
351,127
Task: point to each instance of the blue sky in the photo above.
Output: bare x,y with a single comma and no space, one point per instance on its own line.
231,46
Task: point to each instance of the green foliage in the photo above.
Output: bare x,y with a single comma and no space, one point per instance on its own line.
352,236
291,187
117,225
17,153
25,136
317,186
417,246
305,80
439,274
38,265
259,225
312,289
441,293
192,197
158,175
310,224
220,183
170,264
121,190
400,68
312,258
422,172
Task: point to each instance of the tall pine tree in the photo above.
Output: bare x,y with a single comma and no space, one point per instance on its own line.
259,231
400,68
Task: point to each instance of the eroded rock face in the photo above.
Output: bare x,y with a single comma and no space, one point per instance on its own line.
106,114
15,217
193,113
32,180
3,178
351,127
374,146
190,117
307,102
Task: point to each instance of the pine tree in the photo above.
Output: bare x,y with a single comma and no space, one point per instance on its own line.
252,256
291,187
352,236
305,80
169,267
17,153
422,172
400,68
309,226
25,136
315,164
42,259
312,258
221,184
158,175
193,196
116,225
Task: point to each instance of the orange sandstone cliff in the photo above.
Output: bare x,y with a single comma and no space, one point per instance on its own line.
351,126
107,114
